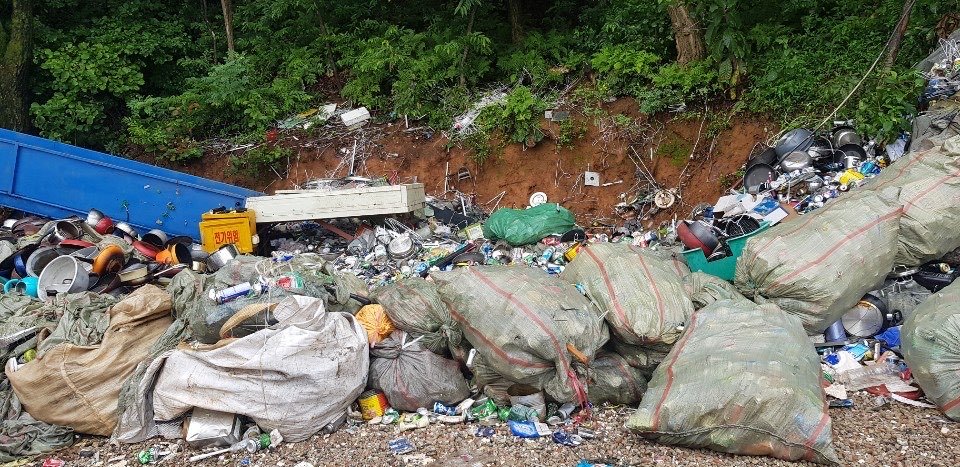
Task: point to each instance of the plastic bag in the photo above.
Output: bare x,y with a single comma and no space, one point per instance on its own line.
820,265
412,376
641,294
297,376
414,306
930,340
79,386
526,226
376,322
744,379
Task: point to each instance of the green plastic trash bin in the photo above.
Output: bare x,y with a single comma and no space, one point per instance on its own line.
726,267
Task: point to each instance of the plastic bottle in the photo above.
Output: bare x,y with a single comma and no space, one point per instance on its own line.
871,375
232,293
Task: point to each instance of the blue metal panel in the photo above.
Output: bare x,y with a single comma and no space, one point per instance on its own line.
57,180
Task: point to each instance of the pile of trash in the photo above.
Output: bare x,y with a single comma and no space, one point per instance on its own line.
734,330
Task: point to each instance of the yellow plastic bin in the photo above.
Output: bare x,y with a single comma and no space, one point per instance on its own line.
238,228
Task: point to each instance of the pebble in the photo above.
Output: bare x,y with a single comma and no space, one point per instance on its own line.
861,436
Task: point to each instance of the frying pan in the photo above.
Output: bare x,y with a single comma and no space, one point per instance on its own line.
767,156
756,176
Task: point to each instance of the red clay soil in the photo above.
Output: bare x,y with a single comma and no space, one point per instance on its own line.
401,156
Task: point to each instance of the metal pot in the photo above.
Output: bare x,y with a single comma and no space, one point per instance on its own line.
698,234
221,257
145,251
100,222
401,247
40,259
155,237
64,230
845,134
126,232
64,274
853,154
757,176
796,160
767,156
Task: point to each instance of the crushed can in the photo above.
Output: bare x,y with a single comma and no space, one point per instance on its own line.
373,404
443,409
566,439
401,446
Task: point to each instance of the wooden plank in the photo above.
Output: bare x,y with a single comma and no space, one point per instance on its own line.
354,202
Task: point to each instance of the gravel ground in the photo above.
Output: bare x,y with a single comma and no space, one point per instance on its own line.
893,435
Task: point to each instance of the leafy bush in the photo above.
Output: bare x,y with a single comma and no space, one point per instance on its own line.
675,84
521,116
624,67
884,110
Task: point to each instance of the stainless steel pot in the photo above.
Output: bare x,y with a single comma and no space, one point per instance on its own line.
64,230
221,257
126,232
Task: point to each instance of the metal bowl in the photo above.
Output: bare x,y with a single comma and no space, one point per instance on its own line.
64,274
221,257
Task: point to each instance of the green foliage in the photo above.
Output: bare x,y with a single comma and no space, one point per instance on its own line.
156,74
570,130
624,66
674,84
261,160
884,110
521,116
675,149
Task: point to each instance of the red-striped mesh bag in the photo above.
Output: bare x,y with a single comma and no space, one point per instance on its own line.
529,327
819,265
640,292
743,379
931,347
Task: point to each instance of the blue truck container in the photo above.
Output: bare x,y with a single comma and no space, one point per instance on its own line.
57,180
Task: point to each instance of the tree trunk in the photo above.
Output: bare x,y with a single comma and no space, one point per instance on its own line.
898,33
687,34
331,63
466,48
16,41
228,22
516,24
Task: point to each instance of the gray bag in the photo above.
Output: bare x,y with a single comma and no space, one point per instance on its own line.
412,376
930,339
640,294
743,379
615,381
819,265
414,306
528,326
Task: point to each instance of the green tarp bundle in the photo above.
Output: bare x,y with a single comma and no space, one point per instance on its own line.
525,226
